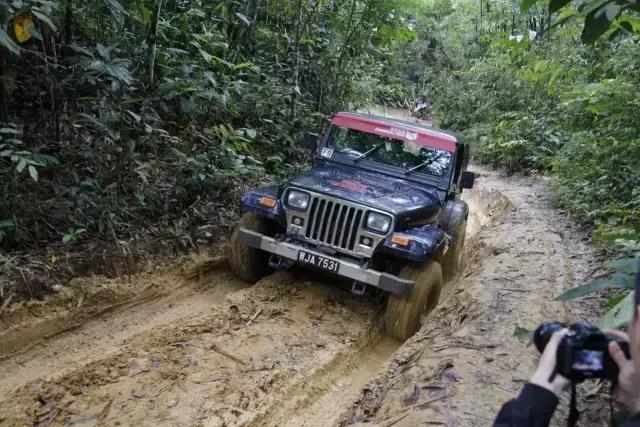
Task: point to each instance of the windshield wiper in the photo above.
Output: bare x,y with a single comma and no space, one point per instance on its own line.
423,164
371,151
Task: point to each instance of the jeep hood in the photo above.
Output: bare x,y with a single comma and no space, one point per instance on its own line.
409,203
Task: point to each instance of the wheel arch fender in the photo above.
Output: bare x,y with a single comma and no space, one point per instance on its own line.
454,213
252,201
421,243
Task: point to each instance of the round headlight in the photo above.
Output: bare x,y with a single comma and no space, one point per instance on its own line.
298,199
378,222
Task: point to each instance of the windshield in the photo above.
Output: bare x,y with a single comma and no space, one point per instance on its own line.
403,154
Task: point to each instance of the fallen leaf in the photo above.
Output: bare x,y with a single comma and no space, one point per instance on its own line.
105,412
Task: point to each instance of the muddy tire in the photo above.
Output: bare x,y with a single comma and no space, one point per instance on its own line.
402,318
451,261
248,263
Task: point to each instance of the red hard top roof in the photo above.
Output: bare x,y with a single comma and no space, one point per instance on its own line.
397,130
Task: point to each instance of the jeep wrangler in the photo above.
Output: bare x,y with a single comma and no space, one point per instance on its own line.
380,206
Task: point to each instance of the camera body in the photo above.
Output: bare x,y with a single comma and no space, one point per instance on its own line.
583,353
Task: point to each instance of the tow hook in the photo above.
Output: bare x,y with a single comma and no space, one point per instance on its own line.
358,288
278,263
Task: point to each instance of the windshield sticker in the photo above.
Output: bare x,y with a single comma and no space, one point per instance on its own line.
327,152
400,133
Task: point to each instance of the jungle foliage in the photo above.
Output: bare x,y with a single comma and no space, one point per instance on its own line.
137,121
550,88
147,116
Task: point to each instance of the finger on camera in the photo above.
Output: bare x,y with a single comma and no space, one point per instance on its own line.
617,354
620,334
634,327
557,336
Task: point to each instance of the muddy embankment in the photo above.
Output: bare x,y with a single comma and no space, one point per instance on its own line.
191,345
465,362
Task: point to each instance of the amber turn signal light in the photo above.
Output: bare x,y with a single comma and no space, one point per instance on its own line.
400,240
268,201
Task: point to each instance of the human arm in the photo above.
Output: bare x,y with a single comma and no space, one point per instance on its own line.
538,399
627,392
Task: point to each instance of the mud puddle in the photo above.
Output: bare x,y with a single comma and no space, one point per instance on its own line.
194,346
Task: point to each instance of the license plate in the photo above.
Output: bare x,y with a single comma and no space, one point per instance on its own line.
318,261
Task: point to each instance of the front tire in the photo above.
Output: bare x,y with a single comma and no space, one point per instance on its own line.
452,260
403,314
249,264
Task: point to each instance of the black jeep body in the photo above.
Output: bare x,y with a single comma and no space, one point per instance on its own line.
380,206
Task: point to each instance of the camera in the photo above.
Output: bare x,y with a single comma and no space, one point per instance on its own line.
583,353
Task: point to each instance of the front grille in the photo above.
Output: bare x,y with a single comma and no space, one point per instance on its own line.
333,223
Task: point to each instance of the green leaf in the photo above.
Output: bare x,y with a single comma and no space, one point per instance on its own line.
630,23
619,281
598,22
44,18
8,43
117,7
620,315
523,335
207,56
556,5
187,105
625,265
7,223
527,4
21,165
243,18
222,61
104,52
67,238
34,32
10,130
135,116
243,65
33,172
612,10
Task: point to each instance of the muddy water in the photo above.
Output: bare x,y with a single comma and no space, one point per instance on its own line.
294,349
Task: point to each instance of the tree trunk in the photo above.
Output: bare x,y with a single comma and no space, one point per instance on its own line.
352,28
481,16
153,38
4,110
548,24
68,22
296,63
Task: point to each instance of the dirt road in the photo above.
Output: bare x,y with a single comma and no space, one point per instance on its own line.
191,345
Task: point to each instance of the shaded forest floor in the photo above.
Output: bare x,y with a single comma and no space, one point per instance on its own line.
189,344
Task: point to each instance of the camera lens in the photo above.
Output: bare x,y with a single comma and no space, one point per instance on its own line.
543,333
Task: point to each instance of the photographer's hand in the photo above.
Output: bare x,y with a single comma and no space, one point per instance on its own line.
547,366
627,391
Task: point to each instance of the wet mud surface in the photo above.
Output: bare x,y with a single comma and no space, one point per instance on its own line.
193,346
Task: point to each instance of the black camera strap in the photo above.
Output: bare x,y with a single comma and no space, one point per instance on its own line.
574,415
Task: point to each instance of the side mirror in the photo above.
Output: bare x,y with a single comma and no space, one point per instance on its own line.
467,179
311,141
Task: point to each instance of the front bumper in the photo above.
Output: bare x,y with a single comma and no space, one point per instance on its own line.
349,269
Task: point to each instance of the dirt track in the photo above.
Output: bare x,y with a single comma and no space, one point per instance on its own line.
191,345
